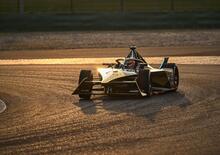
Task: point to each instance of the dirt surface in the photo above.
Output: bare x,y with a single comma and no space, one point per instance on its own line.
108,39
2,106
43,117
112,52
189,60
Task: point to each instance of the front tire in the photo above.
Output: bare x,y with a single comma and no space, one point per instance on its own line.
144,81
85,90
175,74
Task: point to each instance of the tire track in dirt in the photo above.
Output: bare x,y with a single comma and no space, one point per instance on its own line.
43,117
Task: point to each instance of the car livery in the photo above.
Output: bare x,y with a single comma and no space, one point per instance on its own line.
129,76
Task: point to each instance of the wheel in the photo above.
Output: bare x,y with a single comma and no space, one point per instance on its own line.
144,81
85,90
175,74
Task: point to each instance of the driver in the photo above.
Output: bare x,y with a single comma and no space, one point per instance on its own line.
131,64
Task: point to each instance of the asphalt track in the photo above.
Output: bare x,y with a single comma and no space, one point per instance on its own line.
43,117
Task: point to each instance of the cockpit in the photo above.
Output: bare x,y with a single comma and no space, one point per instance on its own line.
133,61
129,63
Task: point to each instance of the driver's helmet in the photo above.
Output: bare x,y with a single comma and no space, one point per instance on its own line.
131,64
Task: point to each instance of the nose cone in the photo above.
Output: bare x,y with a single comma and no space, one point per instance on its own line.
113,75
109,74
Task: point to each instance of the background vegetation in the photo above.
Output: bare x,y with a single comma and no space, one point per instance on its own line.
65,15
85,6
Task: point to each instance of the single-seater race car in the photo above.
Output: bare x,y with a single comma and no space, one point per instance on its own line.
129,76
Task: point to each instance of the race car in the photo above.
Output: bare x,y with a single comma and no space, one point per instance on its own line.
129,76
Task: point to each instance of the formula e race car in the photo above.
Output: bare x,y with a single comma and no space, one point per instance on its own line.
129,76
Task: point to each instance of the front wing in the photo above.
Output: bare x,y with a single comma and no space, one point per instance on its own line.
101,90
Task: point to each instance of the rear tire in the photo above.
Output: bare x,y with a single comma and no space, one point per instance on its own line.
85,91
175,75
144,81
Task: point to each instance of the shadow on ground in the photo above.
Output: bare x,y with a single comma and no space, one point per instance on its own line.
147,107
